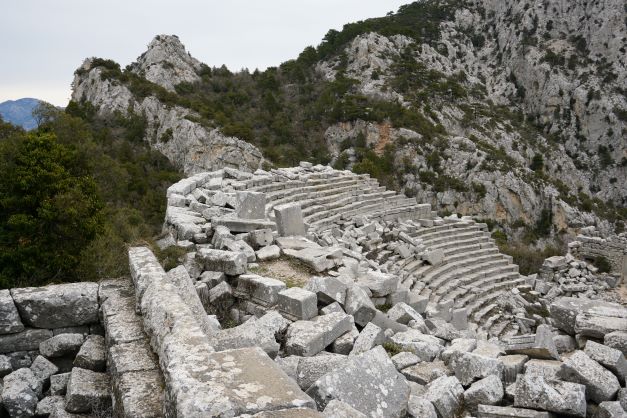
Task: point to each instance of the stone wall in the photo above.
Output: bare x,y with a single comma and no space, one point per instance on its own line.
613,248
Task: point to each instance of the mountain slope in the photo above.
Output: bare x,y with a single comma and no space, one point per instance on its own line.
511,111
19,112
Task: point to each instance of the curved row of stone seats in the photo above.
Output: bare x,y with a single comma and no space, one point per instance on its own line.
472,274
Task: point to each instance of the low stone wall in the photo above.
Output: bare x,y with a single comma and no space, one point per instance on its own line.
52,352
613,248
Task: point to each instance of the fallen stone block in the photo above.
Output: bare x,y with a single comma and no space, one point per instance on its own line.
403,313
337,409
221,297
433,257
447,395
327,289
131,357
287,413
261,290
5,366
251,205
368,338
229,262
601,385
470,367
289,220
359,305
92,354
564,343
271,252
238,246
308,338
87,389
600,319
539,345
333,307
608,357
262,332
425,373
139,394
610,410
533,391
27,340
311,369
296,303
380,284
51,406
617,340
42,368
487,391
344,343
512,365
319,259
564,312
20,393
418,302
58,305
10,321
419,407
426,347
545,368
489,411
238,225
458,347
404,359
58,383
61,345
260,238
385,396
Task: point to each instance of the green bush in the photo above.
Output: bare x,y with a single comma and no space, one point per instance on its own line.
603,264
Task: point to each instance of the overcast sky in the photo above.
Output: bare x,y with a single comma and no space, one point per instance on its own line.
42,42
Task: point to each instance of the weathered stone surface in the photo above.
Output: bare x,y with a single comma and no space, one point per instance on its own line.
339,409
27,340
487,391
344,343
5,366
86,389
311,369
221,297
404,359
368,338
608,357
367,382
545,368
601,318
419,407
20,393
139,394
271,252
446,394
261,238
229,262
287,413
359,305
512,365
92,354
538,345
328,289
58,383
622,398
307,338
488,411
533,391
10,321
61,345
426,347
601,385
258,289
617,340
43,368
564,312
470,367
380,284
289,220
296,303
50,405
131,357
610,410
458,346
262,332
251,205
425,372
488,349
403,313
58,305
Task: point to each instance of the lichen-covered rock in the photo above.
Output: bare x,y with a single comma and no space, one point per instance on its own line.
27,340
58,305
43,369
92,354
308,338
601,385
534,391
447,395
61,345
87,389
487,391
367,382
337,409
21,393
10,321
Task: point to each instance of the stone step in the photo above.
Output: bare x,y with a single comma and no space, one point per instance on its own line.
448,232
435,242
497,329
482,313
469,276
464,265
492,293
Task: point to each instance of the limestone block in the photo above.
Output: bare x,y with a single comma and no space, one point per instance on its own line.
296,303
352,383
470,367
368,338
533,391
260,238
608,357
328,289
10,321
58,383
229,262
289,220
404,359
359,305
139,394
42,368
539,345
271,252
600,319
20,393
61,345
564,312
27,340
425,373
255,332
446,394
426,347
458,346
403,313
262,290
601,385
487,391
251,205
5,366
344,343
380,284
610,410
337,409
433,257
59,305
617,340
311,369
419,407
307,338
489,411
87,389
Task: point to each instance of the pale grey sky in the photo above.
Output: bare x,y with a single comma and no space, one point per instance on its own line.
42,42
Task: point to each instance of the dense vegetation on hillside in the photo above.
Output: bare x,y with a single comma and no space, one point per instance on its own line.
73,194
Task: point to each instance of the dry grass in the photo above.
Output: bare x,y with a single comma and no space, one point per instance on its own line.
289,270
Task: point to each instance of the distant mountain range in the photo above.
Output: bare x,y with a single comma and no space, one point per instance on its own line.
19,112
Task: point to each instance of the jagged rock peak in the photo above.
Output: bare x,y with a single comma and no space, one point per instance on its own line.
167,63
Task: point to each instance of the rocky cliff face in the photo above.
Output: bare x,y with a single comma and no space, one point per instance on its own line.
171,129
508,110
